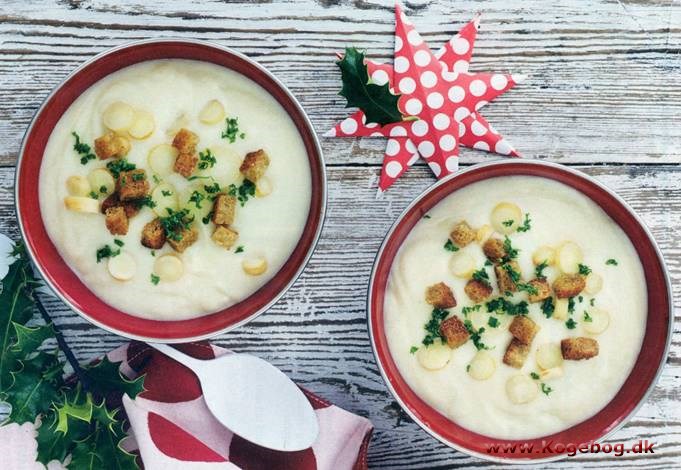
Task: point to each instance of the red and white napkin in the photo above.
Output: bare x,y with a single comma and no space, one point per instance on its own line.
171,427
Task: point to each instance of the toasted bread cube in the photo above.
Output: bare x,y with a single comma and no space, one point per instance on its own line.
477,291
523,329
494,249
224,209
576,349
154,235
254,165
116,220
186,163
454,331
543,290
568,285
225,236
185,141
187,237
440,296
504,279
111,145
516,353
112,200
132,184
462,234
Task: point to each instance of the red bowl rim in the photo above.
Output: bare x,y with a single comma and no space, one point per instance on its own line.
314,151
394,381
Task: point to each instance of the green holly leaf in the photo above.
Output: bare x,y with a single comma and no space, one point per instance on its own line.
16,306
35,386
105,378
29,339
377,102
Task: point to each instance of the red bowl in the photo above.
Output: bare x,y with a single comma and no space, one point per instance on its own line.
637,386
66,283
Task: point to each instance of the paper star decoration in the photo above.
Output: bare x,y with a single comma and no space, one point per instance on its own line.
440,100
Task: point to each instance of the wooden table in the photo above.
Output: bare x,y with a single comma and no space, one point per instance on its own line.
603,95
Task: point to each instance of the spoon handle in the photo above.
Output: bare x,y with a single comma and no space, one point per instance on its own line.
194,364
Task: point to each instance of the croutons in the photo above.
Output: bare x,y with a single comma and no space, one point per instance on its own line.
225,236
185,141
568,285
224,209
494,249
116,220
477,291
131,209
576,349
254,165
504,279
516,353
186,163
132,184
186,238
462,234
111,145
454,332
523,329
154,235
440,296
543,290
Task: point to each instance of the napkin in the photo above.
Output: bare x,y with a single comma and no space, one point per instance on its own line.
171,427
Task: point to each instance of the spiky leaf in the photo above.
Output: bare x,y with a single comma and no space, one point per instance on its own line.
34,387
106,378
377,101
29,339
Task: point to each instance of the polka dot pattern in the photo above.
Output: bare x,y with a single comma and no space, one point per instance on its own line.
380,77
393,168
413,106
435,100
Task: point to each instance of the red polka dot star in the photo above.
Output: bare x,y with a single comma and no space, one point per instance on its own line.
438,102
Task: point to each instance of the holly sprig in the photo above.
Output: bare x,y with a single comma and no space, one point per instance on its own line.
80,416
377,102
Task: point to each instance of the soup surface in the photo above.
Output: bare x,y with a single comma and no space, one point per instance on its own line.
220,204
520,355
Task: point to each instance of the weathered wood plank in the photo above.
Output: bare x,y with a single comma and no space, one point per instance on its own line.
317,332
603,83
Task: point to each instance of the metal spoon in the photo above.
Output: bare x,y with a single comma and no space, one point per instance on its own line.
253,399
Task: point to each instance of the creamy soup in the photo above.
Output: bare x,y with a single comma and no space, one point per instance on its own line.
525,355
220,204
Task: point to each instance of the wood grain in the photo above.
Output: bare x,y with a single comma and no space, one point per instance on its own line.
603,90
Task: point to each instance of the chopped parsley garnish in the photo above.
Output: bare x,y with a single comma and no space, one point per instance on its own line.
413,349
539,270
155,279
468,368
502,305
116,167
511,253
546,389
212,189
488,262
507,223
239,249
466,310
157,180
612,262
107,252
581,299
206,160
166,193
175,223
197,198
450,246
119,242
525,227
547,307
584,270
102,189
138,177
153,252
426,216
93,195
232,130
587,317
208,217
592,302
143,201
242,192
515,277
534,375
433,326
493,322
571,324
571,305
83,150
481,276
476,335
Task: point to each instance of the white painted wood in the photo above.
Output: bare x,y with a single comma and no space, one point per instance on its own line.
603,90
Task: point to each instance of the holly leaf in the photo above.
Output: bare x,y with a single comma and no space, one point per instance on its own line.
377,102
29,339
16,306
35,386
106,378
